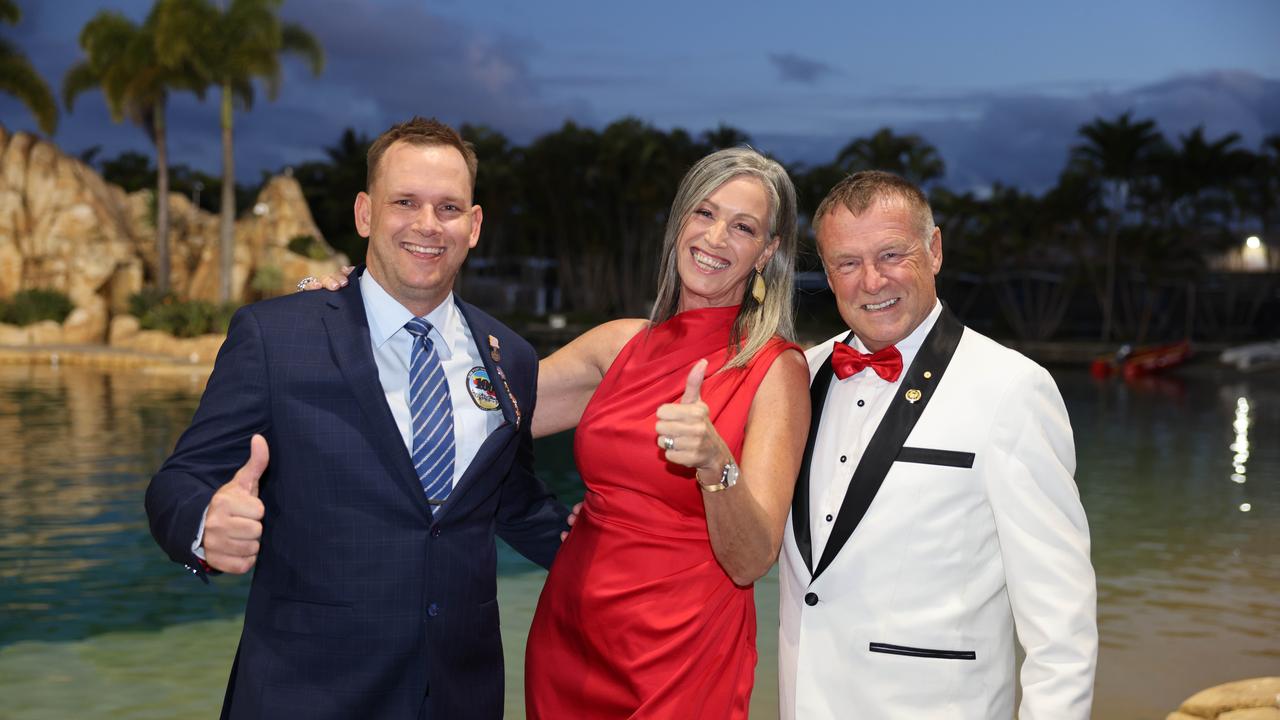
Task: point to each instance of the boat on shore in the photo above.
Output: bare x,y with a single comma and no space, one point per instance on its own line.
1132,363
1252,356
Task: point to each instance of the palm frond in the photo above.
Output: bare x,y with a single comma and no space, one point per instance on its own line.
20,79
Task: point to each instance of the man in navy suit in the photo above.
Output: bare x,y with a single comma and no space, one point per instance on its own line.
374,595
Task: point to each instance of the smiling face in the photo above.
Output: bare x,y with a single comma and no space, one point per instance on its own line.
725,237
420,223
881,272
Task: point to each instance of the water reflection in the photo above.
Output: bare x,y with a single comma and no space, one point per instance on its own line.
1187,562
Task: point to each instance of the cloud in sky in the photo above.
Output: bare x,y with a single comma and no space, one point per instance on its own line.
797,68
1024,138
390,59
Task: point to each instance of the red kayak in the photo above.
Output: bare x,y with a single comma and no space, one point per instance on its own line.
1141,362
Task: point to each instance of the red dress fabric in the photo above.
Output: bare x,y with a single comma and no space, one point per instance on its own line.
637,619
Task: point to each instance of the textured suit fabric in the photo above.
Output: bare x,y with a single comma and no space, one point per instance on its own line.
362,603
947,558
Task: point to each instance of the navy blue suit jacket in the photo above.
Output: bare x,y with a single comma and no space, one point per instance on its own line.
362,604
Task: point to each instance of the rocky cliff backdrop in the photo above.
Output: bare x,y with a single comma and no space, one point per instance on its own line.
63,227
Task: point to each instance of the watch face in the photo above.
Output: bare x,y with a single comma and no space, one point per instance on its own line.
729,476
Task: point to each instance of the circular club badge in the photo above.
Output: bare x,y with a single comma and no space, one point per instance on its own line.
481,389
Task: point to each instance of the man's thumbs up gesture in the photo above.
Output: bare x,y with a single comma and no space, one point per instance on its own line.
685,431
233,523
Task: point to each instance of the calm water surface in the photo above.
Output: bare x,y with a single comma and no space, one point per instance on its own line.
1181,481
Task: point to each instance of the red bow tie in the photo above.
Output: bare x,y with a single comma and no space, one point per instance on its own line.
887,362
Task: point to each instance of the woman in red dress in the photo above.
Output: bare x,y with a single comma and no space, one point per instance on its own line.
690,427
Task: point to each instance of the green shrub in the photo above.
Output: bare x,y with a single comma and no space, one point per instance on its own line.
308,246
266,281
32,306
180,318
147,298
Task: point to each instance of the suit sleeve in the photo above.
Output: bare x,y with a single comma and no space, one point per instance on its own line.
1044,544
530,518
235,405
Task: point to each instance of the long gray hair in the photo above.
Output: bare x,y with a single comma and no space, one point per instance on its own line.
756,322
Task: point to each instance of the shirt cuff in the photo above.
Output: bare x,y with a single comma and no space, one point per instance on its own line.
197,547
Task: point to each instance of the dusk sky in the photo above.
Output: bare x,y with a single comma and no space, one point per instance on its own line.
999,87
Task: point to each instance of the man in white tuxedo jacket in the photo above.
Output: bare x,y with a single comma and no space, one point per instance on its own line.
935,512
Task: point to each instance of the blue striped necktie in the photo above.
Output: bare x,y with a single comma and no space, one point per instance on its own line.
432,416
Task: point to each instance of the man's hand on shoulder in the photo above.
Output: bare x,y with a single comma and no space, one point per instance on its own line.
233,524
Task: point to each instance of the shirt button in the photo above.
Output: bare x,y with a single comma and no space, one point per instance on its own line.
811,599
828,518
433,609
844,458
861,403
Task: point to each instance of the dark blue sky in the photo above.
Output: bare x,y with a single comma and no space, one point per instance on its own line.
1000,87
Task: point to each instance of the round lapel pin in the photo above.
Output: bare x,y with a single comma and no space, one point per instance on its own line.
913,395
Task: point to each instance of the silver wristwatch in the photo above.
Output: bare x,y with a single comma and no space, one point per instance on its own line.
728,478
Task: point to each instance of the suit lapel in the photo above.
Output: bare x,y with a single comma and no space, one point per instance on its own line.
513,418
348,329
800,499
933,358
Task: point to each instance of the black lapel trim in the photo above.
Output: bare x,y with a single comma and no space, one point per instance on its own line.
800,498
348,329
934,356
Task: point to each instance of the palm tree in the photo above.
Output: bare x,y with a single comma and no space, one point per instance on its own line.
1121,155
725,136
20,80
122,60
910,156
243,41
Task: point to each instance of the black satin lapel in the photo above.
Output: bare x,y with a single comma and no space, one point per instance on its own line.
800,521
348,329
934,356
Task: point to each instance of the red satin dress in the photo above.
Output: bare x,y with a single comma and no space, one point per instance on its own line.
637,619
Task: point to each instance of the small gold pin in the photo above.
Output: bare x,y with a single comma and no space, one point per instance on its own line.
913,395
493,349
928,374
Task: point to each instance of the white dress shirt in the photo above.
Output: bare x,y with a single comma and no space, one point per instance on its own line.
855,406
454,344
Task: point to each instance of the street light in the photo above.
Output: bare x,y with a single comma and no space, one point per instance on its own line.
1254,254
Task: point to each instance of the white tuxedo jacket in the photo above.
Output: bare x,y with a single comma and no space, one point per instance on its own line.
972,526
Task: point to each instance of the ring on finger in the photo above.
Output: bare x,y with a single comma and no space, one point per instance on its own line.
304,282
668,442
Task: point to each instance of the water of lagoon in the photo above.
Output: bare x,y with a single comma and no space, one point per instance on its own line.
1181,481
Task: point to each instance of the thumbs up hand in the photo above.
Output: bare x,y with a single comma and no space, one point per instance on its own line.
684,428
233,523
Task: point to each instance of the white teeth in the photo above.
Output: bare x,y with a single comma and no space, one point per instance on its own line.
707,262
880,306
422,250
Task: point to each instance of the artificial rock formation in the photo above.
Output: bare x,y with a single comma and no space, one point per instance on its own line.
1255,699
63,227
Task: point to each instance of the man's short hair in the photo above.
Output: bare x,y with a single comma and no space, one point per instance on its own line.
858,191
422,132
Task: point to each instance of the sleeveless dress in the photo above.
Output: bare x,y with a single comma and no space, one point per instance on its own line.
637,619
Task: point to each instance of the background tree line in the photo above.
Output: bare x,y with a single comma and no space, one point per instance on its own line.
1130,224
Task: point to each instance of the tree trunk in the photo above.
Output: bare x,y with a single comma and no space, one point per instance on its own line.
226,234
162,200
